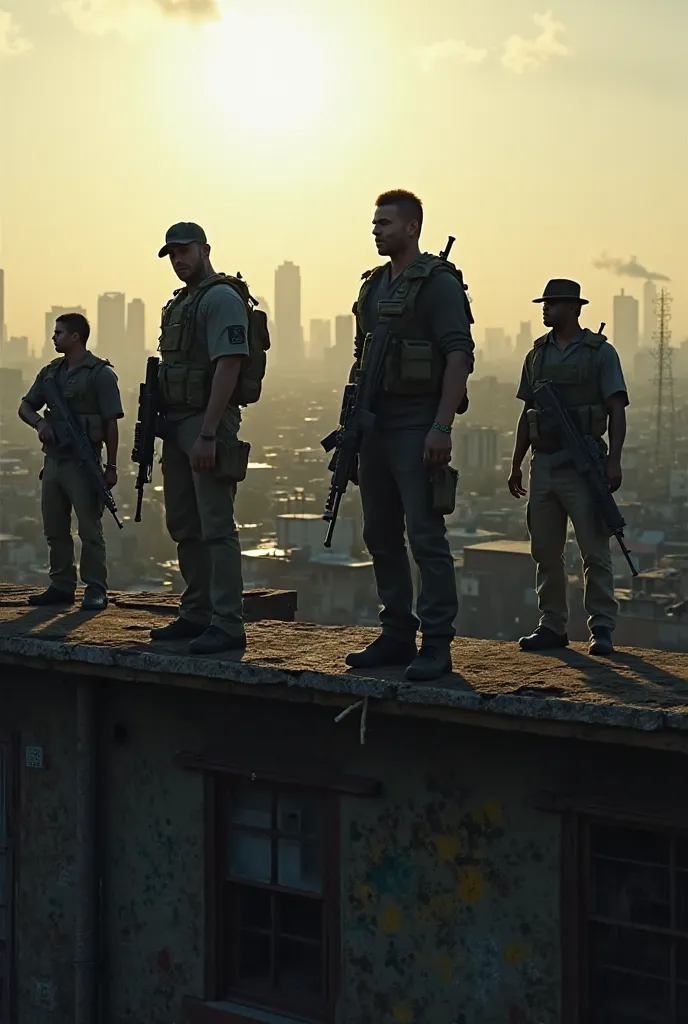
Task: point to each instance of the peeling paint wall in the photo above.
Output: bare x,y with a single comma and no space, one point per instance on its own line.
449,879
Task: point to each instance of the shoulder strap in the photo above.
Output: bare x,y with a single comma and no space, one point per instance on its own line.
534,359
367,279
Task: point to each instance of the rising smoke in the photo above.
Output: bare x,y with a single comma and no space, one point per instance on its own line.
195,10
628,268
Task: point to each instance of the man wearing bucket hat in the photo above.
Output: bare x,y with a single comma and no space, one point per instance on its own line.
587,373
204,341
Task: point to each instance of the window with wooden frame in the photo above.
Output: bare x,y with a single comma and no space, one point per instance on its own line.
276,895
633,928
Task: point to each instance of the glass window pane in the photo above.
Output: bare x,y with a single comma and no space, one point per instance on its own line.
300,968
299,865
631,892
299,815
682,960
250,856
630,844
682,1002
618,997
633,950
251,804
299,917
255,907
682,853
253,961
3,879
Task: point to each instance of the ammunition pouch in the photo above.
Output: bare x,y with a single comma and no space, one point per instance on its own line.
592,420
184,386
412,367
231,459
444,483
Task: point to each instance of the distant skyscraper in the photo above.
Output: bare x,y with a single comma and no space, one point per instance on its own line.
50,318
625,327
344,334
649,314
524,339
3,334
497,345
136,329
112,326
289,349
319,338
15,352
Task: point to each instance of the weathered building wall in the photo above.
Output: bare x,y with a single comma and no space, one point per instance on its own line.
40,709
449,879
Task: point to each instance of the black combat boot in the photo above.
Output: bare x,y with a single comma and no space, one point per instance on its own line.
601,642
543,639
214,641
431,662
178,629
52,596
383,651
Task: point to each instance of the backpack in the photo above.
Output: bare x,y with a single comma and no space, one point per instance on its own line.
254,365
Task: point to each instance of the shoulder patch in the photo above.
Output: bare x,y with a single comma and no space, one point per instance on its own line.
237,335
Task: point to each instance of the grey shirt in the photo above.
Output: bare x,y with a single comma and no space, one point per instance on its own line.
440,306
611,375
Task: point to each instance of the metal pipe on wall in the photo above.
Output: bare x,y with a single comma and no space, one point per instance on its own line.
86,942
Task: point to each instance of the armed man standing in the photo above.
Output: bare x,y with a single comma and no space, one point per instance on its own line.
416,307
87,388
203,344
586,372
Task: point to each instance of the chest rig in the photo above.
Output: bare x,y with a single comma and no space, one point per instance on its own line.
79,390
414,364
578,382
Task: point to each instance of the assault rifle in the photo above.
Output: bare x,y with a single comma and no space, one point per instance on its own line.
584,453
356,417
71,437
146,430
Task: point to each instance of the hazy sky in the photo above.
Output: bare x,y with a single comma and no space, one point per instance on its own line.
540,137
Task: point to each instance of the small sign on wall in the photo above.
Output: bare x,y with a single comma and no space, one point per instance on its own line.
34,757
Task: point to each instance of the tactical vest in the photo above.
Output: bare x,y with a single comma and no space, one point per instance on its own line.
186,370
414,364
578,383
79,391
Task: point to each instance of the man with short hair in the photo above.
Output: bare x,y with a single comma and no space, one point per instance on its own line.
204,340
587,373
89,386
428,355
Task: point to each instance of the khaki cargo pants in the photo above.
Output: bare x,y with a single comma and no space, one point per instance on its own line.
64,486
199,509
557,495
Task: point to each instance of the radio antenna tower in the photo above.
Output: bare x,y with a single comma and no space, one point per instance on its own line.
664,382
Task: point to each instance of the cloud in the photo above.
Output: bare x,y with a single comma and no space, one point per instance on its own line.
134,18
628,268
449,49
12,42
522,54
195,10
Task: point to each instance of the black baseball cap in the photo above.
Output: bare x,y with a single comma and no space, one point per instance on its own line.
183,233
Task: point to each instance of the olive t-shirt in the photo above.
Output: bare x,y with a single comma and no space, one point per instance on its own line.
441,309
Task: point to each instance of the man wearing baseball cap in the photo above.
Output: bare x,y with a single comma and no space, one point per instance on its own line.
203,342
587,372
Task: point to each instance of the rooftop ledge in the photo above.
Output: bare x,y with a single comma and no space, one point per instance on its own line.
637,697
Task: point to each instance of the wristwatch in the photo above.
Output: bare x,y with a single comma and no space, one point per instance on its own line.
207,437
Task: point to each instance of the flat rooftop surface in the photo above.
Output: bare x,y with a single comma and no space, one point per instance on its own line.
640,690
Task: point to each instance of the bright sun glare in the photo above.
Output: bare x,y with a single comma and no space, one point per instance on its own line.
270,70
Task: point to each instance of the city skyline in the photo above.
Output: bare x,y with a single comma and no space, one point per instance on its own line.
527,139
